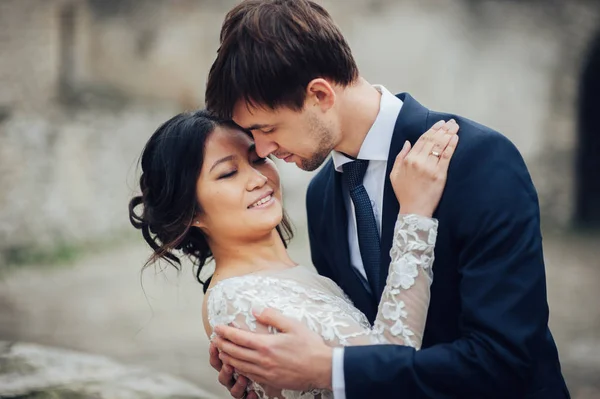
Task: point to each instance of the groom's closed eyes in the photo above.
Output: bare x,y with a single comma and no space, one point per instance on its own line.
262,128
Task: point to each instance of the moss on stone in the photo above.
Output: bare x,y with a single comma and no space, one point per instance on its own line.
18,365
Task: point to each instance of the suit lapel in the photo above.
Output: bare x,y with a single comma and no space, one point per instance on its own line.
349,277
411,123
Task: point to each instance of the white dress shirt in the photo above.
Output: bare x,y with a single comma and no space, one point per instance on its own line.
375,148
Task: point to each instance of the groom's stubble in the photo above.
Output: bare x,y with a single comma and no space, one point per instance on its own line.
323,135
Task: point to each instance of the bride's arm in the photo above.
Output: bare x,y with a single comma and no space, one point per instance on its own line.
418,179
227,304
405,300
404,303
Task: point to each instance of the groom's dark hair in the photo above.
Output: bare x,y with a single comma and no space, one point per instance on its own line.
270,50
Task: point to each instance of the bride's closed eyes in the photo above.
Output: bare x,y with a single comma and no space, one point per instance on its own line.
232,158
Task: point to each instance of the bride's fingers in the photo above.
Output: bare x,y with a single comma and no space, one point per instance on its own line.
439,140
453,128
435,155
444,162
399,162
403,153
418,147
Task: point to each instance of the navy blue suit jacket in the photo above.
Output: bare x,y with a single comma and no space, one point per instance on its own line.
487,330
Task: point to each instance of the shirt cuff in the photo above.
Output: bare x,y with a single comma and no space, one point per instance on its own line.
337,374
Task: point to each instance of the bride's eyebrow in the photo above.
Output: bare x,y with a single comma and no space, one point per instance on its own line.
224,159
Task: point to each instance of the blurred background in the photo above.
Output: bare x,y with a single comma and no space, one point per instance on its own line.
84,83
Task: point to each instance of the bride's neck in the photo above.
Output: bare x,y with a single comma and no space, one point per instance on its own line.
234,257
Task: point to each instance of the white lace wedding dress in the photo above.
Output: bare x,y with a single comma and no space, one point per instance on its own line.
317,301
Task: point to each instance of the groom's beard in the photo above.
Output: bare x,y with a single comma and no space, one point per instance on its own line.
324,136
315,161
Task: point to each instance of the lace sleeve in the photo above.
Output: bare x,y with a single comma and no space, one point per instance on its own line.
231,303
405,300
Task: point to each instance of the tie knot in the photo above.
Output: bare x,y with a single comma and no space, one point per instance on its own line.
354,172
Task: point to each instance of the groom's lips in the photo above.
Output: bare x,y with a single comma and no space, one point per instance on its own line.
285,158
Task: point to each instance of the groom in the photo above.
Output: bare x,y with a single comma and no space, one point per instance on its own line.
285,73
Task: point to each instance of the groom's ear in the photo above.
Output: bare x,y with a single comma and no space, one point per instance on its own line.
320,93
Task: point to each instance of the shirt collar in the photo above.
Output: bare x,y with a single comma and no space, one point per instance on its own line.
376,145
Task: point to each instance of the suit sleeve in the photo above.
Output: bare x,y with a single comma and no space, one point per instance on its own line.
495,215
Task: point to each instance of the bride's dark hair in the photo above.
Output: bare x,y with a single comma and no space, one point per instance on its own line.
171,162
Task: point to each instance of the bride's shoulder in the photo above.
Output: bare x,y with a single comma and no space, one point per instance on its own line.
234,298
242,288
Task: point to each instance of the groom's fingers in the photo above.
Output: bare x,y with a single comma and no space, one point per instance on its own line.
239,388
236,351
257,379
244,367
273,318
237,336
226,377
215,362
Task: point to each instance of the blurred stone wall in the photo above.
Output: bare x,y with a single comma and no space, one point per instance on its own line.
68,143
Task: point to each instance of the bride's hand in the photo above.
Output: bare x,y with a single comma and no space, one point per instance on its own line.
419,174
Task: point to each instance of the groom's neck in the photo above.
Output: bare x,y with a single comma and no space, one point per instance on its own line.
358,110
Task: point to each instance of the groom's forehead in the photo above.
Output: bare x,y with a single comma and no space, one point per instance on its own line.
250,116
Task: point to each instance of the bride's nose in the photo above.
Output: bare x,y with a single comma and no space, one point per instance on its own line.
255,180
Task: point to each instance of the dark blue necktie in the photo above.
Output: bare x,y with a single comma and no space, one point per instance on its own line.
368,234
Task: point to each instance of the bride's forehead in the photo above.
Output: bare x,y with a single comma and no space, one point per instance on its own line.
231,138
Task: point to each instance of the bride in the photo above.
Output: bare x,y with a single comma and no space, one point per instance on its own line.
205,193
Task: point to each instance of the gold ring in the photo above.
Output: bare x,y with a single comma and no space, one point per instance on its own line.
435,154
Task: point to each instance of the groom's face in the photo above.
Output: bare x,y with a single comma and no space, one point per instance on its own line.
304,137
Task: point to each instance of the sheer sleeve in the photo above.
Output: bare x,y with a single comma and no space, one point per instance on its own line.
405,300
232,304
402,311
322,305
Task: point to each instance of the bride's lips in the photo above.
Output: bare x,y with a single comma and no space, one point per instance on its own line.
263,200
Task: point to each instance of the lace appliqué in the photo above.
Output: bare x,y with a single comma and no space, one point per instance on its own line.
232,301
412,253
321,305
333,317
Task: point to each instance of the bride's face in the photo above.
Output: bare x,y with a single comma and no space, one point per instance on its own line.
239,192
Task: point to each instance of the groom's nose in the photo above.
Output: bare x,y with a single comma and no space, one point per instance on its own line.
264,147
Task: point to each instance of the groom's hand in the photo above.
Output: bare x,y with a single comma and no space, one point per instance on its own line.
295,358
237,388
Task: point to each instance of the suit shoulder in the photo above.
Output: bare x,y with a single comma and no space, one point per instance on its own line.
475,137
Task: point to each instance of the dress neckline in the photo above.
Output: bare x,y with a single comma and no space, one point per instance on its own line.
257,273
